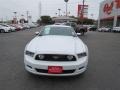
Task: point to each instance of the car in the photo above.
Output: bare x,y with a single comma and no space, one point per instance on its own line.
4,29
56,51
116,29
11,27
81,29
32,25
17,26
58,23
104,29
25,26
72,24
93,28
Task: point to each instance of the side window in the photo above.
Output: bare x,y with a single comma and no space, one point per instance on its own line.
73,25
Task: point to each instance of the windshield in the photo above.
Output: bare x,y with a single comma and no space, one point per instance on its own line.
65,31
4,25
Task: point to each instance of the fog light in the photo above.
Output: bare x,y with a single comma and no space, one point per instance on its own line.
41,57
70,57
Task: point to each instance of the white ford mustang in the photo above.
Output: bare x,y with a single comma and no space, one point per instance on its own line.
56,51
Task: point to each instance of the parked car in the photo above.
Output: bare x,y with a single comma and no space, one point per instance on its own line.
116,29
32,25
81,29
17,26
56,51
93,28
59,23
104,29
25,26
72,24
4,29
11,27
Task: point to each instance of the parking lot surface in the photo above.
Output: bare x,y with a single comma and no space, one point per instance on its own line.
103,70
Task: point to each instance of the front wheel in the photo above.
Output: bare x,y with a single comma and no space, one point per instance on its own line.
2,31
82,33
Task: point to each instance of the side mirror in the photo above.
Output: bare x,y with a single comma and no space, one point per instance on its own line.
37,33
78,34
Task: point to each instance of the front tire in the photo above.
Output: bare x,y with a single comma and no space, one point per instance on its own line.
2,31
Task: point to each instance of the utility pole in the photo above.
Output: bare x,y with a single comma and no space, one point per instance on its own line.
40,10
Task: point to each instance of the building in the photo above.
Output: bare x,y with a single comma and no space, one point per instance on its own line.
109,13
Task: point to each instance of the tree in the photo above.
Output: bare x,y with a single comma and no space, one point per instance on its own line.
46,19
85,21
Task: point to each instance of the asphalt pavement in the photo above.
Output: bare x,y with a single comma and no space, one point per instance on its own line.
103,70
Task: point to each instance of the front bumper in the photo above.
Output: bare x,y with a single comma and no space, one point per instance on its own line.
69,68
116,30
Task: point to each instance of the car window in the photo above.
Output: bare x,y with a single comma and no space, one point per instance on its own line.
65,31
73,24
68,24
4,25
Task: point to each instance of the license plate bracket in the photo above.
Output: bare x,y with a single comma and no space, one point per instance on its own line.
55,69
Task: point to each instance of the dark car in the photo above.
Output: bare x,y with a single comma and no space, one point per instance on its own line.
81,29
93,28
72,24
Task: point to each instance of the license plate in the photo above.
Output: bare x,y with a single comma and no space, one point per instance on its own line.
55,69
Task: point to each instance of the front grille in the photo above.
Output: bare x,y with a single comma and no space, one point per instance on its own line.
46,71
55,57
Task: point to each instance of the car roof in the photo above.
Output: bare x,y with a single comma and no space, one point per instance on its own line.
57,26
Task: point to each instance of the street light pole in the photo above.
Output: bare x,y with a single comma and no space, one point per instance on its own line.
55,14
59,11
27,12
66,7
15,14
15,18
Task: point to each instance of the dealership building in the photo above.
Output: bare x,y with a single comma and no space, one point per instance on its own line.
109,13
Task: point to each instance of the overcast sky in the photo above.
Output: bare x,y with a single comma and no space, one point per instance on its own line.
49,7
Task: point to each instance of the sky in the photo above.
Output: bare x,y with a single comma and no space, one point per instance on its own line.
48,7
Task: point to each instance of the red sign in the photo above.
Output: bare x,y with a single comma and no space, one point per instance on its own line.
55,69
82,13
109,7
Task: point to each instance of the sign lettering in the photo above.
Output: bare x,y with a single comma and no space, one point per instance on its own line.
108,7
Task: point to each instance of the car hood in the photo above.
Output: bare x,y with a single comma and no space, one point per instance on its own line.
56,45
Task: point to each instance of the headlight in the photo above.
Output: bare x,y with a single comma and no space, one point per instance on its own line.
29,53
82,55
